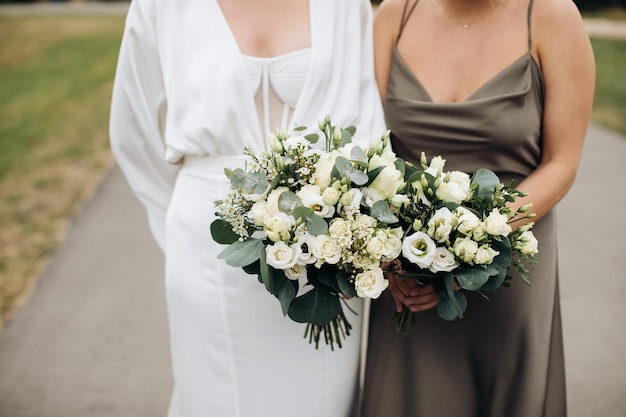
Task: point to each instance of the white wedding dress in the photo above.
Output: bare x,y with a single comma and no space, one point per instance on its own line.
185,105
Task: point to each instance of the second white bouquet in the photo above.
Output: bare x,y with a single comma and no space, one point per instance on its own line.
313,225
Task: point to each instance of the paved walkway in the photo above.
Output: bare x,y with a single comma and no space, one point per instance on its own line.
92,341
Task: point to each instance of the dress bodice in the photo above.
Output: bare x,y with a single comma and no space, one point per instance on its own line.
277,83
498,127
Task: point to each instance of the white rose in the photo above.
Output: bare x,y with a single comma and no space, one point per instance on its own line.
387,158
295,272
527,243
444,260
326,249
376,247
455,187
340,230
362,260
465,249
419,249
364,221
370,283
496,224
323,170
282,256
441,224
272,200
485,255
387,182
258,212
393,245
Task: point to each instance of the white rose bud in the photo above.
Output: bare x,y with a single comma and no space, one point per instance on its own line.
330,196
275,143
527,243
436,165
370,283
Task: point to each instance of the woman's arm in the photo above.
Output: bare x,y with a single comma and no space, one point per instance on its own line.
138,109
564,53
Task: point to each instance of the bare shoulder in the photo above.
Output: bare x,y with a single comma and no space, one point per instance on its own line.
553,16
388,16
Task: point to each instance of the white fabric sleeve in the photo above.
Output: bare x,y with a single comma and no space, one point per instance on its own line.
137,121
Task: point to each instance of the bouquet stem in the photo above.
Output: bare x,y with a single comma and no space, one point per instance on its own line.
333,331
404,320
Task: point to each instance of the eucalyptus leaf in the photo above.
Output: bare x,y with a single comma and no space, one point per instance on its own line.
358,154
327,277
288,201
346,137
447,308
242,253
351,130
382,212
371,175
316,307
312,137
471,278
284,289
222,232
487,182
316,225
345,286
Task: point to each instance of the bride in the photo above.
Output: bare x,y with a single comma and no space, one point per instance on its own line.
197,81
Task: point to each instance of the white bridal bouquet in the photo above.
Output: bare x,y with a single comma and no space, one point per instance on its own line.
457,231
314,226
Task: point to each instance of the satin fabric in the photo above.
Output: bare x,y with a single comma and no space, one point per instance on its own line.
183,109
505,357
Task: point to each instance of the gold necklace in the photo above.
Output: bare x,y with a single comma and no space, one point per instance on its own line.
467,25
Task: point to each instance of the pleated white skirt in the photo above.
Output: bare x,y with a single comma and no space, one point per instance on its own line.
233,352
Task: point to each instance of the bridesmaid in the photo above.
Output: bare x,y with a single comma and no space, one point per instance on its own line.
508,86
197,81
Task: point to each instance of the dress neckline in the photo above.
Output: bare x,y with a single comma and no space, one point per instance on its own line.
496,77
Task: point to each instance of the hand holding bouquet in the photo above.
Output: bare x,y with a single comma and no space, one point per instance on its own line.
458,231
314,226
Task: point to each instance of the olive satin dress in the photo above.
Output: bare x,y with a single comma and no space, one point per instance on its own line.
505,357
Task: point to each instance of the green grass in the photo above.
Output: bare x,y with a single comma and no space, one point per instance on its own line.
610,97
56,74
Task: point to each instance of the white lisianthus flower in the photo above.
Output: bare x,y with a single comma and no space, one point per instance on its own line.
527,243
295,272
371,196
485,255
386,158
370,283
496,224
340,230
350,200
419,249
467,221
393,244
296,142
465,249
330,196
455,188
387,182
400,200
444,260
281,225
436,166
282,256
441,224
306,242
326,249
361,260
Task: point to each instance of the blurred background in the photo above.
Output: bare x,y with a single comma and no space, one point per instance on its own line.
85,332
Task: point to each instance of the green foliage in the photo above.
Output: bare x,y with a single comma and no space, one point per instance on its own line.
610,94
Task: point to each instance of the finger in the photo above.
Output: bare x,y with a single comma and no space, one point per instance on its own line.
423,307
421,290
